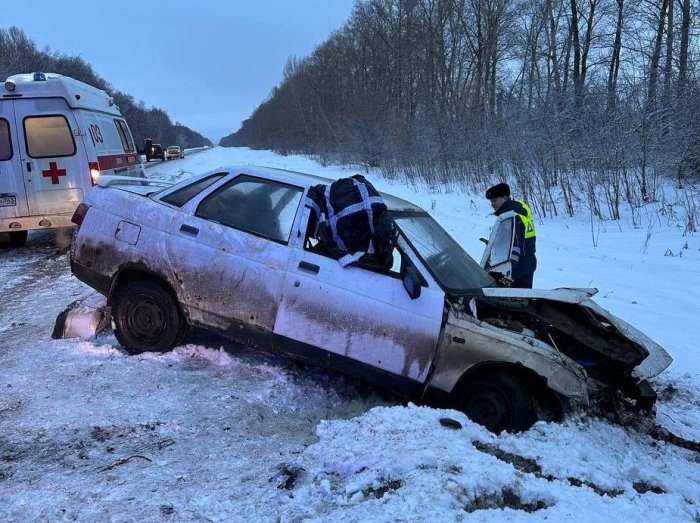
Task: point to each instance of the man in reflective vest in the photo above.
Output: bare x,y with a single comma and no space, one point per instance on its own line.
522,255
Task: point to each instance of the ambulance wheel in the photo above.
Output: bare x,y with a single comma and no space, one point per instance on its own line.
147,317
499,401
18,239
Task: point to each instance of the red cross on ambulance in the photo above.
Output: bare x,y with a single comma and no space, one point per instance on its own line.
53,172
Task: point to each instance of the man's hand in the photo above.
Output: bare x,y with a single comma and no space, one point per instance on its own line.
501,278
505,281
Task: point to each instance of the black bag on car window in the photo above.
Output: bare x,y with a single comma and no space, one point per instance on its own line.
352,222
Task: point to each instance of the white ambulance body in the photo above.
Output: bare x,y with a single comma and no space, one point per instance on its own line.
57,136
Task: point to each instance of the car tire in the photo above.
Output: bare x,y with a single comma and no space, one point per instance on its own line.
18,239
147,318
499,401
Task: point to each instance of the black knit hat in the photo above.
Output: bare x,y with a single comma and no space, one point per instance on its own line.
500,189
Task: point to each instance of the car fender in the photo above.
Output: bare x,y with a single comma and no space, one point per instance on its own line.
467,342
111,245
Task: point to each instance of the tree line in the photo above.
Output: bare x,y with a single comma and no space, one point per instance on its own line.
571,100
19,54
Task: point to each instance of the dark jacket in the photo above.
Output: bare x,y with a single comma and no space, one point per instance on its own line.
522,256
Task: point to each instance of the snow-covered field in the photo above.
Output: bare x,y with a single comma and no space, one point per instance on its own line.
219,432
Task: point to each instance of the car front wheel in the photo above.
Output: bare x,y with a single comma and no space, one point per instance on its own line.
499,401
147,318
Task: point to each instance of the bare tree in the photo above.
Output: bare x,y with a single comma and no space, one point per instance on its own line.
683,55
656,57
558,96
614,68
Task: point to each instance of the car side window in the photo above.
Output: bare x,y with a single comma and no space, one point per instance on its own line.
5,144
261,207
312,243
185,194
48,136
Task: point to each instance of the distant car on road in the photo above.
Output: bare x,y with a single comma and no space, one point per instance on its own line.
155,151
234,251
174,151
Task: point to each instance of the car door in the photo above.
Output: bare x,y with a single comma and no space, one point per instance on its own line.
496,257
363,315
232,251
52,156
13,199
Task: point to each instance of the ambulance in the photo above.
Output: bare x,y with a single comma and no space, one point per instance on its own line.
57,137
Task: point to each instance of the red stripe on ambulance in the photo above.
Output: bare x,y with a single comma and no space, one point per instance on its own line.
115,161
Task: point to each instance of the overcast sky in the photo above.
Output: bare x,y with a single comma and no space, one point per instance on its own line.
208,64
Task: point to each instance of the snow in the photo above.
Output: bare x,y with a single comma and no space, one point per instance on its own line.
215,431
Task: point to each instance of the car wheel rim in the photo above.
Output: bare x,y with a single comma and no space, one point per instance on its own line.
146,319
489,408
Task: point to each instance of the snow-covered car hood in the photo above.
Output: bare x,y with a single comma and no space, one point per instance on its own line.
658,359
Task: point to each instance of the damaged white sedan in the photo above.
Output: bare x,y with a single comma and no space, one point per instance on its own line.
231,251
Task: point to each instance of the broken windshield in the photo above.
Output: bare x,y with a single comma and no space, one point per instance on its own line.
449,264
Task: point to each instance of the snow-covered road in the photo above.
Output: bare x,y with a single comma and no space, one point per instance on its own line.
219,432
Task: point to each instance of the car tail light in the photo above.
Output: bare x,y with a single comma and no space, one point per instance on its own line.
79,214
94,172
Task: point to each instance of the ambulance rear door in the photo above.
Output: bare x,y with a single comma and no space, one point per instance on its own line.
116,152
13,198
53,158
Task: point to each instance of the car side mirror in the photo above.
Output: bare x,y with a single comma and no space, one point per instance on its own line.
411,282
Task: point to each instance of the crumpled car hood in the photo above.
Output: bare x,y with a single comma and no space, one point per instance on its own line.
658,359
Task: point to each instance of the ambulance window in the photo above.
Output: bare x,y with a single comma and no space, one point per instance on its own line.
5,145
125,136
48,136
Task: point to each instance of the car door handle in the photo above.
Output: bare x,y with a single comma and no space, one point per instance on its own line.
188,229
309,267
29,167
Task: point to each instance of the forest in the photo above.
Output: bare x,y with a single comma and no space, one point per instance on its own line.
591,101
19,54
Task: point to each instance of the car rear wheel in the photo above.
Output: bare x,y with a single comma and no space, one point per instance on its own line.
18,239
499,401
147,318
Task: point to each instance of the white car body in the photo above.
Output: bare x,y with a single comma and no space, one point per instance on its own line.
424,328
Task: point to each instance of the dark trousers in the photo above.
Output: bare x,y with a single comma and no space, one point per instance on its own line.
524,272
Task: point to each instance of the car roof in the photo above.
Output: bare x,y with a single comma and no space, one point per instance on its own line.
393,203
